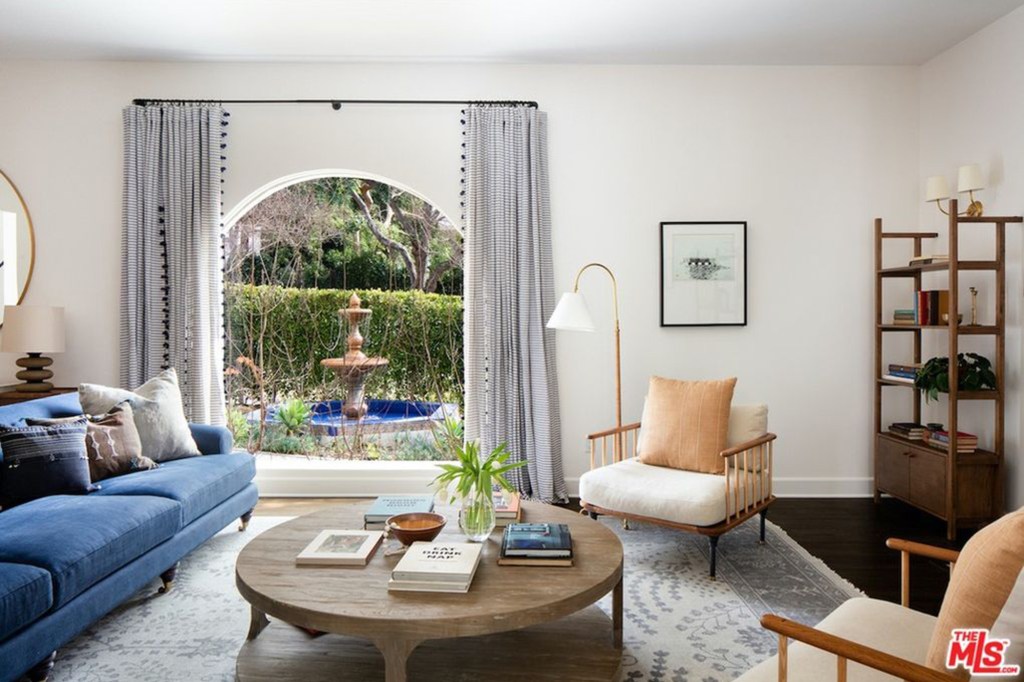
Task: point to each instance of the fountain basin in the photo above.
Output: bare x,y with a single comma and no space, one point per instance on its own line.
383,416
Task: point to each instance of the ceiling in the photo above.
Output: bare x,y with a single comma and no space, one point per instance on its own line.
509,31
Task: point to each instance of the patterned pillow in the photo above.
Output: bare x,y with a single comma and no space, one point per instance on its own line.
43,460
157,410
112,442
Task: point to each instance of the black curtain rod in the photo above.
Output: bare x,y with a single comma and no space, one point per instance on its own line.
336,104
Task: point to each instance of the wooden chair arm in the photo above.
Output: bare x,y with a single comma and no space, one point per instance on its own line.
749,445
921,549
613,431
622,441
846,649
908,547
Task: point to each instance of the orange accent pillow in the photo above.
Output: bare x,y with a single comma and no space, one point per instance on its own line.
686,424
980,591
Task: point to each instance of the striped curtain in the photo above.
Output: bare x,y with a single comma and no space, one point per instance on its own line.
511,389
171,267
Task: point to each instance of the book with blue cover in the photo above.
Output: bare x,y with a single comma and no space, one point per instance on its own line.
386,506
537,540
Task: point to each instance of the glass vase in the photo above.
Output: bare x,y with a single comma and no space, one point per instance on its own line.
476,515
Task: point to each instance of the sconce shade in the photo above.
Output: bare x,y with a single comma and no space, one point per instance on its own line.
936,189
571,314
969,179
33,329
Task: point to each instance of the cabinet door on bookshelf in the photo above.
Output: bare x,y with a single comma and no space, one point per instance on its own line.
928,480
893,467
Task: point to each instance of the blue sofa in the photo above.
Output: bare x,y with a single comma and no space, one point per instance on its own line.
67,560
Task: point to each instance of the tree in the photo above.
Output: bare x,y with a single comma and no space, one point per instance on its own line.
428,244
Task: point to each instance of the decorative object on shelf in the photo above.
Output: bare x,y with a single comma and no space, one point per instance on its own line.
572,314
974,306
703,274
969,179
17,244
34,330
471,479
974,371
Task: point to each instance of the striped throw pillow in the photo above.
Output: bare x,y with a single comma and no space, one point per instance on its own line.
43,460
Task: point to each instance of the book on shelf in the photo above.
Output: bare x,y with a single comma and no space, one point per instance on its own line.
929,259
537,540
340,548
909,430
898,379
931,307
386,506
436,567
966,443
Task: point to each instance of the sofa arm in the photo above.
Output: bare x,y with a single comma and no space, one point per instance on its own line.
212,440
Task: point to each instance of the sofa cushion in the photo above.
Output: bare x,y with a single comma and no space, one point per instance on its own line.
26,592
981,591
686,424
81,540
878,624
198,483
656,492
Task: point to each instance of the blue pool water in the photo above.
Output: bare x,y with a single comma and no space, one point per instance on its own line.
383,416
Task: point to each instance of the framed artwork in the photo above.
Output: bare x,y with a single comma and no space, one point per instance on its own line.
703,274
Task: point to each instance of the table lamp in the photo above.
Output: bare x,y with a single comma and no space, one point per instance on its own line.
33,330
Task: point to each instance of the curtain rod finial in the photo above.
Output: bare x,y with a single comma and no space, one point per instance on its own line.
336,105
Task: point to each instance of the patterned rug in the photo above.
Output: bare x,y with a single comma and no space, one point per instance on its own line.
680,626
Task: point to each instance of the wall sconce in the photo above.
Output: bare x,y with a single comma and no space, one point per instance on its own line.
968,180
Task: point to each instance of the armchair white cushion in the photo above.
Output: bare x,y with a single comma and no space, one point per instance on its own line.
878,624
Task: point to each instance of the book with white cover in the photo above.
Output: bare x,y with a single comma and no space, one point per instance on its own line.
440,562
427,586
340,548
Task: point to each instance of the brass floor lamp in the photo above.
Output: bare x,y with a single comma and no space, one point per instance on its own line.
572,314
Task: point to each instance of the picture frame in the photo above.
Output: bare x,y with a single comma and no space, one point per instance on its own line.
703,273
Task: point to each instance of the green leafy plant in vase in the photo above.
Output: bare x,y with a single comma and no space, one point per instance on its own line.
471,478
974,373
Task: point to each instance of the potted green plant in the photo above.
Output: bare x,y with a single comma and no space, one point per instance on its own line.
974,373
471,478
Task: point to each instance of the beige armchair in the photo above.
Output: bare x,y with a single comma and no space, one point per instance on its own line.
619,484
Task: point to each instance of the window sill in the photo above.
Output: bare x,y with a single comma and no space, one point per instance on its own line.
291,476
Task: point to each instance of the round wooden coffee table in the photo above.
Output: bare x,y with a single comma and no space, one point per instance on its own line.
514,623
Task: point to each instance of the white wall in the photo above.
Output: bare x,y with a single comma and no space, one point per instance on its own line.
807,155
972,111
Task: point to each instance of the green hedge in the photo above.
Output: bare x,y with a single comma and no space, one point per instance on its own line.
420,334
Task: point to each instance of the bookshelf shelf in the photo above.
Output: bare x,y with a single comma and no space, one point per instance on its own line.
963,489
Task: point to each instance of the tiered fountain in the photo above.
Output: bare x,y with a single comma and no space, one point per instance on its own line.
355,368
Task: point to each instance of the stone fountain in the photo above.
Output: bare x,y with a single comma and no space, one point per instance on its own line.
355,368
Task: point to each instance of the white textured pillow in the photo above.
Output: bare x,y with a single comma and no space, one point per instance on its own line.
747,422
156,407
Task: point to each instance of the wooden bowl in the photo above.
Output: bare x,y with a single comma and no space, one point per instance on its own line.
415,526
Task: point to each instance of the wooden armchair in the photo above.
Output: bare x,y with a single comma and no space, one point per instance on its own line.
885,640
619,484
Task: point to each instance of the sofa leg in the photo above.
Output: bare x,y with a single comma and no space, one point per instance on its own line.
168,578
713,541
764,515
244,520
41,670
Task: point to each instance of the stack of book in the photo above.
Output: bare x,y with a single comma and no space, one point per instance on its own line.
536,544
436,567
929,259
909,430
932,307
903,373
507,508
386,506
966,443
905,316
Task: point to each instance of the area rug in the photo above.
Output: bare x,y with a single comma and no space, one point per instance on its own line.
680,626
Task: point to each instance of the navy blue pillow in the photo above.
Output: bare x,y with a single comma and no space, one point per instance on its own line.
43,460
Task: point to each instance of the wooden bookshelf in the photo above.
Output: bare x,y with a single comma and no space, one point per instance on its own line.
963,489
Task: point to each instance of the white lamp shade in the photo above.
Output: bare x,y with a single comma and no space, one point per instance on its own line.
33,329
936,189
571,314
969,178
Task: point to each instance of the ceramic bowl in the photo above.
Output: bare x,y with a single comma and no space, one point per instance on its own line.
415,526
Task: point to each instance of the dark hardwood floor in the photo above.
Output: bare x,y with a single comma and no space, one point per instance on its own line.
848,534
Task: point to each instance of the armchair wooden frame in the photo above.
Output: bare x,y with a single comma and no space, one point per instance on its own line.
748,482
846,650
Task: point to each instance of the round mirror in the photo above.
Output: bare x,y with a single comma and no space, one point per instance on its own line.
17,245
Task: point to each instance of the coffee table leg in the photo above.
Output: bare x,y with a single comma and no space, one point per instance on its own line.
396,655
617,615
257,621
